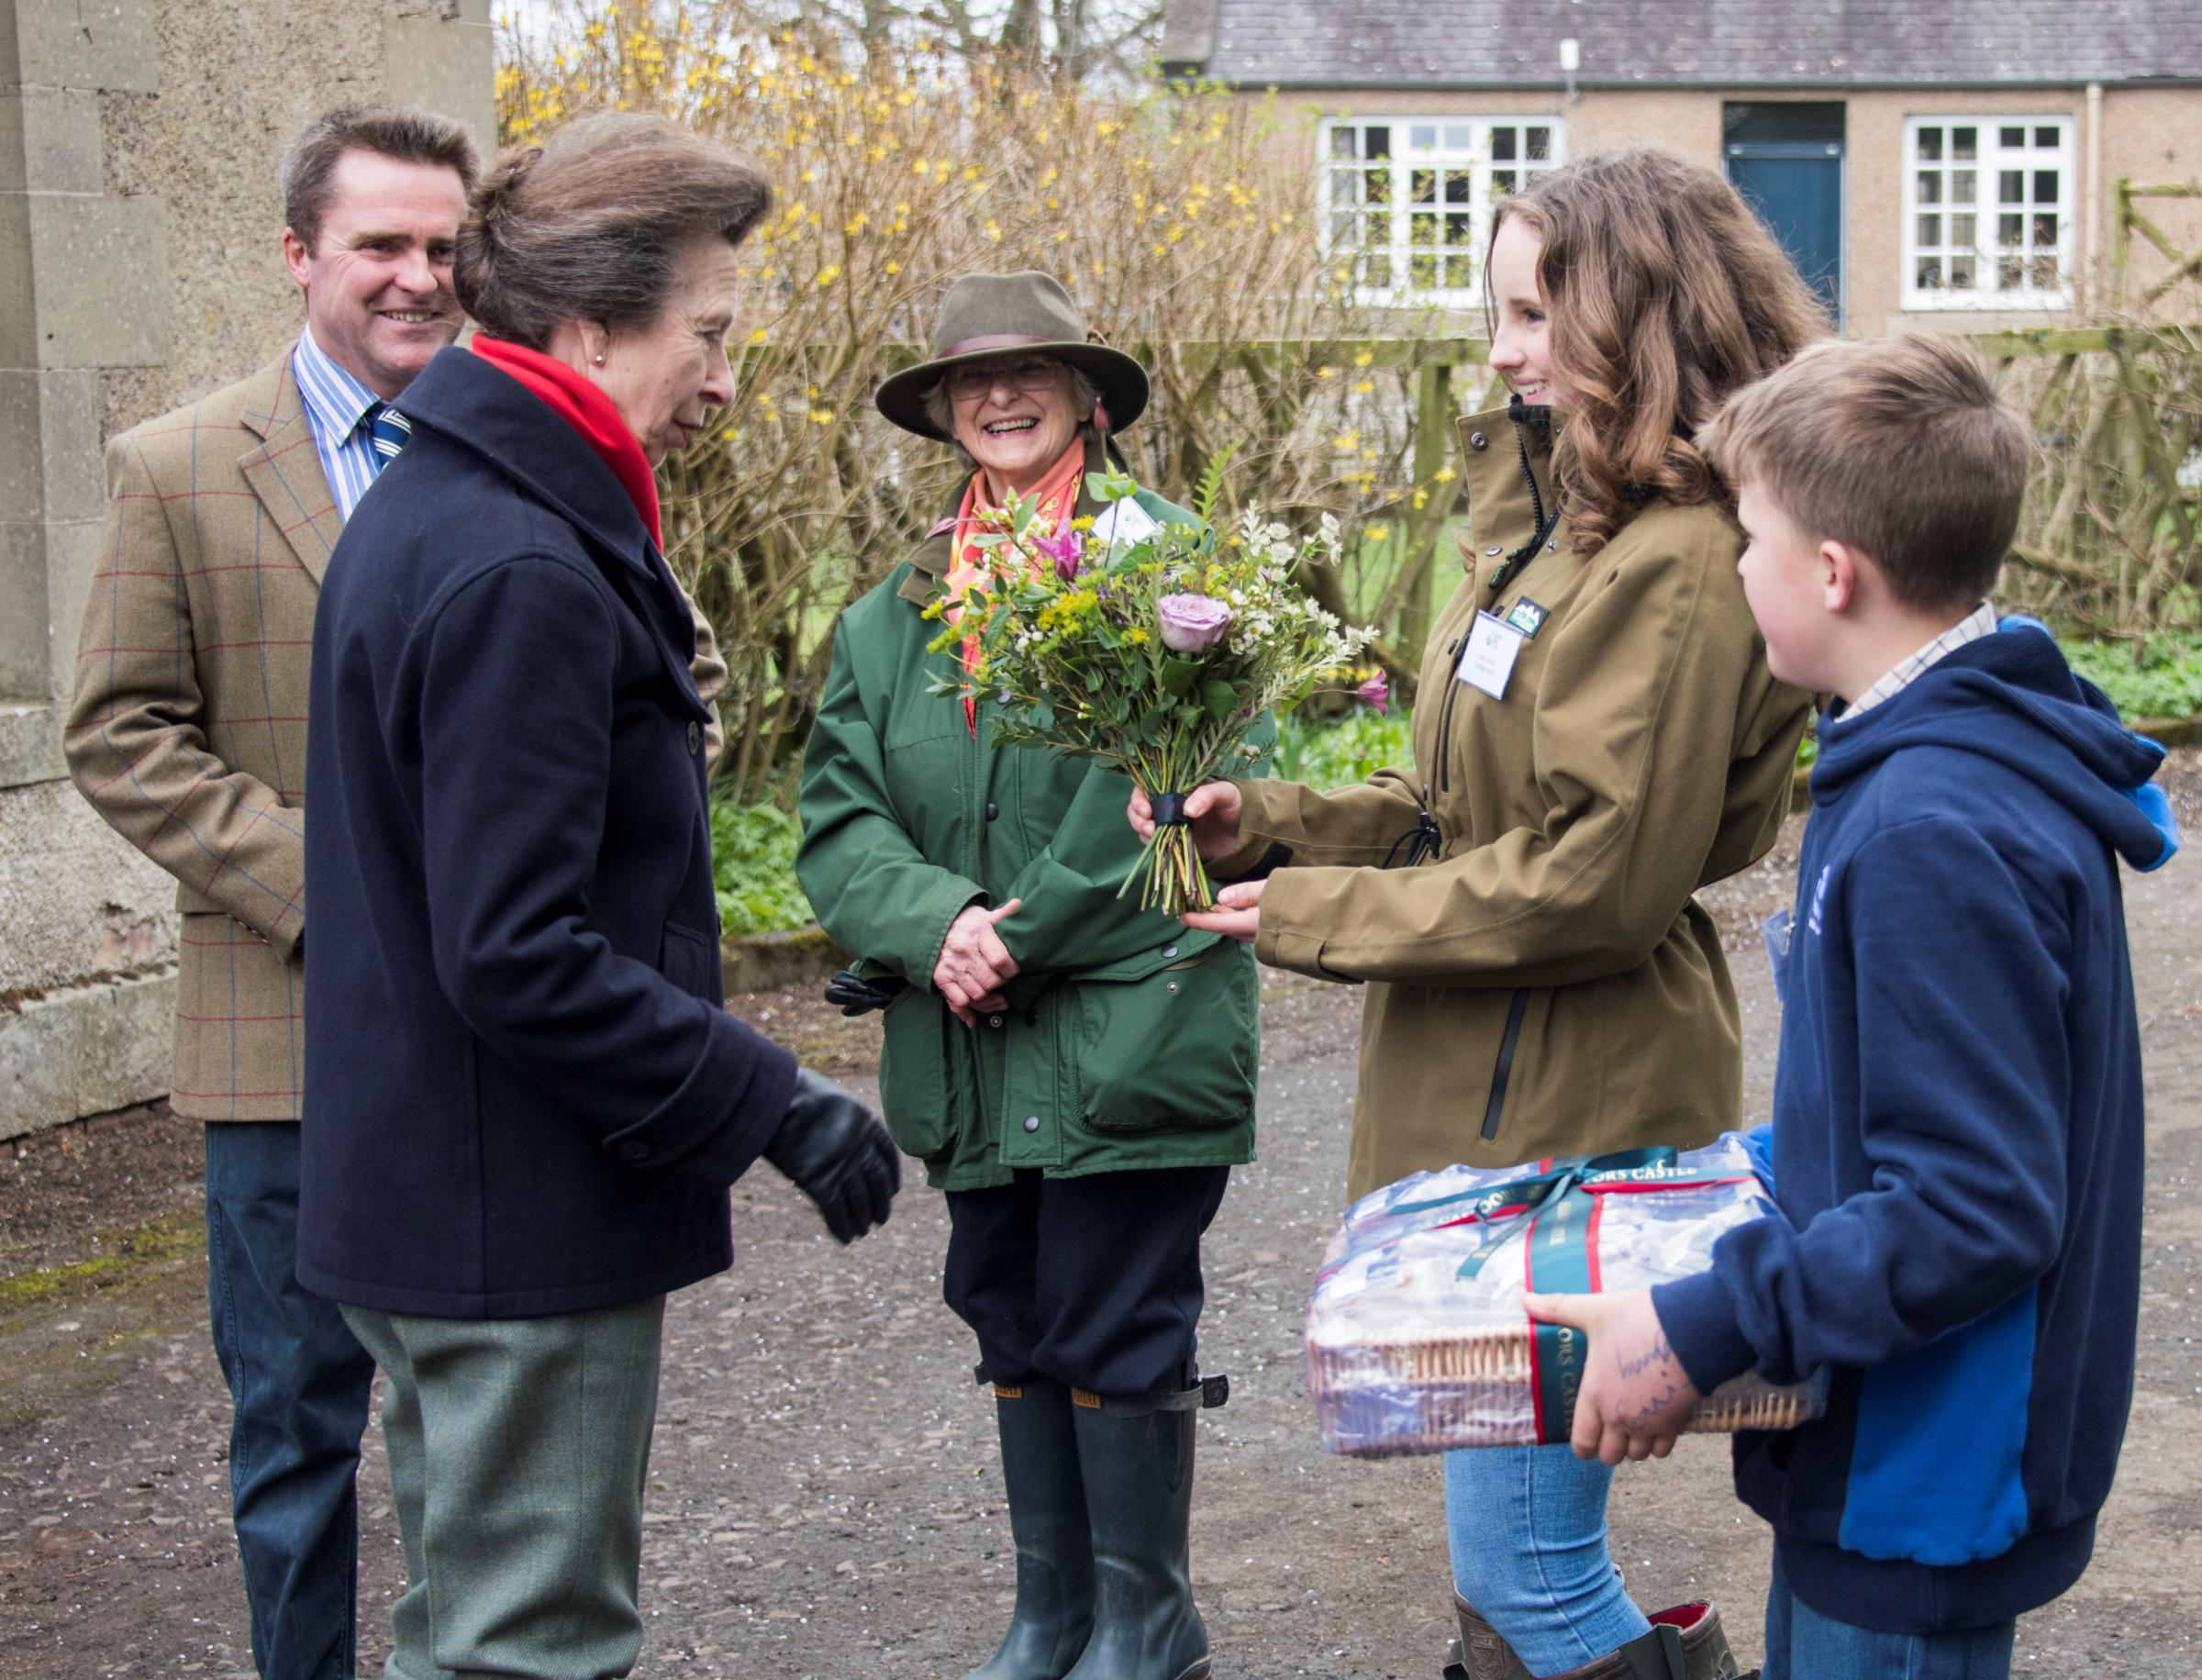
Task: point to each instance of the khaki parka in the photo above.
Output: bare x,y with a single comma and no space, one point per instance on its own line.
1129,1042
1541,980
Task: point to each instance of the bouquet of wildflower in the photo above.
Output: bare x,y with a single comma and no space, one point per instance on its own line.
1151,647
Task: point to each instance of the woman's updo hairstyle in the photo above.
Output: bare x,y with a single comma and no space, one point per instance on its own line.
588,226
1667,296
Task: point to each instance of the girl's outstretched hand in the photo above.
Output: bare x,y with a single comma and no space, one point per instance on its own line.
1238,911
1214,806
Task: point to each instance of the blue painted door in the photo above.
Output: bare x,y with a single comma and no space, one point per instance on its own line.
1797,188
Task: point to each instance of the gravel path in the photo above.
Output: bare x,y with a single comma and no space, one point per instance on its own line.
824,1498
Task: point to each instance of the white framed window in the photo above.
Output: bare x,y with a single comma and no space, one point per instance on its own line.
1405,201
1988,212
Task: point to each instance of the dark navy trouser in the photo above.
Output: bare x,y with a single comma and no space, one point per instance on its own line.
1094,1281
298,1390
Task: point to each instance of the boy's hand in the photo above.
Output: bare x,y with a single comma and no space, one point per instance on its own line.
1635,1396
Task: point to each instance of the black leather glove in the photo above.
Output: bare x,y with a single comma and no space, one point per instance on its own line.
838,1153
855,996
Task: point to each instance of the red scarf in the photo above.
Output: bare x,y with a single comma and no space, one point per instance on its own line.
588,411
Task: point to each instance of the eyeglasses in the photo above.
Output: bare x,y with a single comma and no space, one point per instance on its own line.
1030,374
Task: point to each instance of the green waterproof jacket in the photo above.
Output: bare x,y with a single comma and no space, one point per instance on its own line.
1129,1042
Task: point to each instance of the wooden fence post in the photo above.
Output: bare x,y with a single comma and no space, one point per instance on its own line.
1425,526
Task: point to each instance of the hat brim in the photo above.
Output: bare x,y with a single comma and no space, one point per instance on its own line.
1121,380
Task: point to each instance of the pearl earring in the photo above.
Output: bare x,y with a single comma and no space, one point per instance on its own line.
600,362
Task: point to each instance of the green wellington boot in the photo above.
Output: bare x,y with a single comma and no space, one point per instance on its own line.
1685,1643
1048,1520
1137,1459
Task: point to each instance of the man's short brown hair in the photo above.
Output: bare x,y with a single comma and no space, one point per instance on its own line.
409,133
1896,447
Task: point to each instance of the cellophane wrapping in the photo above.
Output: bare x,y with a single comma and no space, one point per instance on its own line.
1418,1341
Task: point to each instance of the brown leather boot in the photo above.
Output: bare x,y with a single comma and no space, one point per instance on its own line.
1685,1643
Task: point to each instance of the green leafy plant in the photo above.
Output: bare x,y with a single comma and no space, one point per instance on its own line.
753,868
2160,677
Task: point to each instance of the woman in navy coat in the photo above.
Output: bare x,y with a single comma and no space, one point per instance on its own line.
524,1100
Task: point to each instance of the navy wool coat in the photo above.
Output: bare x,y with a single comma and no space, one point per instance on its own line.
523,1096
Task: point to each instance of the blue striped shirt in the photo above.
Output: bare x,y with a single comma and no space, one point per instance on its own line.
334,403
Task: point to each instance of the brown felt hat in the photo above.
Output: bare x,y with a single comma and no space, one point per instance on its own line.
986,316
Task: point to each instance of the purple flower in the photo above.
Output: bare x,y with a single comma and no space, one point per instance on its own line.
1063,549
1377,691
1191,622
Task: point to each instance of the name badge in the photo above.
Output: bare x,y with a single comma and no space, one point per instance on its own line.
1488,659
1121,524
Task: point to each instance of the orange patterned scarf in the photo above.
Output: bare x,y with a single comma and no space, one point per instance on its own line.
1058,496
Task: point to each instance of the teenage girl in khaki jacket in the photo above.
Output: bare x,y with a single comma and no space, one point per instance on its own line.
1596,737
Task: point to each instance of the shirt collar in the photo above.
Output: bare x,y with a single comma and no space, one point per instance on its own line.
1979,622
333,397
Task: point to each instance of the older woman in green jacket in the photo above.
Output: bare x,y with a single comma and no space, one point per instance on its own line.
1076,1075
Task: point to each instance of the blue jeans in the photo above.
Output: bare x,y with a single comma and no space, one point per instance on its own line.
1528,1531
1802,1644
298,1383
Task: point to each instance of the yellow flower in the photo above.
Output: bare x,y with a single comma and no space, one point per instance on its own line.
993,230
829,273
893,268
1363,387
822,417
1346,442
1326,372
1444,475
856,223
757,335
1377,533
1365,357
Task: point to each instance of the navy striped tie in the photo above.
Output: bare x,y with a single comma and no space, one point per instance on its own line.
387,431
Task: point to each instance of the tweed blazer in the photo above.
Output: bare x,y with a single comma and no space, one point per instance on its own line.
188,730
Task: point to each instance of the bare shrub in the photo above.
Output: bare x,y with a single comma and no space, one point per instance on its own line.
1174,215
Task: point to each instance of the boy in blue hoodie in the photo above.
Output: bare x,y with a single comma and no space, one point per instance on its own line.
1957,1134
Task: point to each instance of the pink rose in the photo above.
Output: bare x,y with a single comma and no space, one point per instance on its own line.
1377,691
1191,622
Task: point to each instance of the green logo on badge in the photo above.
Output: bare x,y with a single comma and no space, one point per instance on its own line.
1527,617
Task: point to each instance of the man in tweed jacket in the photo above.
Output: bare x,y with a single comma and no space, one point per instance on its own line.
188,735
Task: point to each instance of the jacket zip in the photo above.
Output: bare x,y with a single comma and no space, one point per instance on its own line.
1503,1071
1453,691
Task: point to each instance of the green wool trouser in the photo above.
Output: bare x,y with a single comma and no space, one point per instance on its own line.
518,1449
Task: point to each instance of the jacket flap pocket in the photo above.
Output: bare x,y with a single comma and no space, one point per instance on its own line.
1182,946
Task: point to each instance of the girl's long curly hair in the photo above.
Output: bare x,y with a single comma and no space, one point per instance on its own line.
1665,295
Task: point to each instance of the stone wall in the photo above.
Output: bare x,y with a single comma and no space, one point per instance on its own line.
140,268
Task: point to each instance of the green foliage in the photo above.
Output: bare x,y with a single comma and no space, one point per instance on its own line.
1336,751
753,868
2160,678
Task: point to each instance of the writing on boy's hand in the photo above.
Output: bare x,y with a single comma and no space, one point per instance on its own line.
1635,1397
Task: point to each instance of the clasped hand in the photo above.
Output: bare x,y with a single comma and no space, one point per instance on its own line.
1214,808
1635,1397
975,965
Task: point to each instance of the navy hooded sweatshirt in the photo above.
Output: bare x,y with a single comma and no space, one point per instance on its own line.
1957,1141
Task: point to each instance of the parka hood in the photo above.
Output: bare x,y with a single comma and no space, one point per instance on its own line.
2012,698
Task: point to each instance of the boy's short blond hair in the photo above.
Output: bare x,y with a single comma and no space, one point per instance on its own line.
1896,447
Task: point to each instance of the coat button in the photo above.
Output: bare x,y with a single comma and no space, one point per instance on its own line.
1476,440
696,734
1169,950
994,1020
993,810
1032,1122
634,1150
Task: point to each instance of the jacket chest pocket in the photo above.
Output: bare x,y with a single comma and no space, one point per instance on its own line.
1174,1048
913,1074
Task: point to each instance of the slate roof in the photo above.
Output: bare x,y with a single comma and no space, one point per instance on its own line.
1681,43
